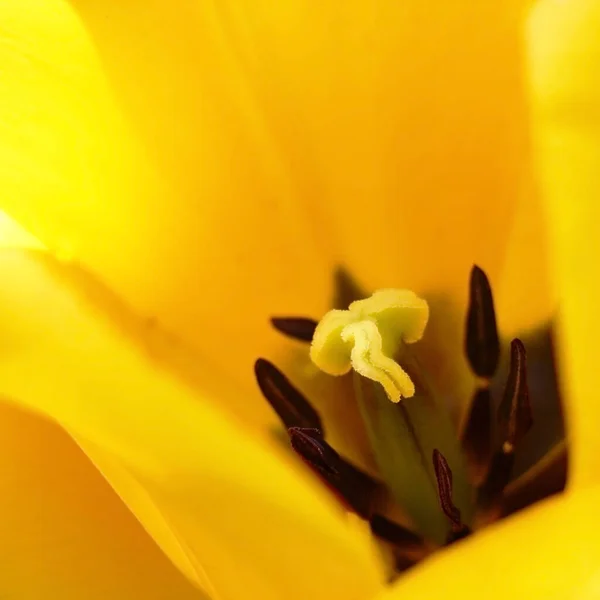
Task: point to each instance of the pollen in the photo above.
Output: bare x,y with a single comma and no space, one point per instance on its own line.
368,337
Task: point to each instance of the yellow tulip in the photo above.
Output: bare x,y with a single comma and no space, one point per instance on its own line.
197,169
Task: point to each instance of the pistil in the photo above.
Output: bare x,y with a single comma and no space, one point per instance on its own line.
368,335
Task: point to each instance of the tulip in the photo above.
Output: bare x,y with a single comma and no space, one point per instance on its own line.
175,176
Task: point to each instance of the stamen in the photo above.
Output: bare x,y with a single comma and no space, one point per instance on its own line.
514,421
482,342
477,435
309,444
368,335
292,407
298,328
515,416
403,437
443,474
359,491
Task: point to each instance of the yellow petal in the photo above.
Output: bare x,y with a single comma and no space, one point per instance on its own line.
233,515
550,551
288,130
12,235
564,49
131,142
417,116
410,119
210,161
65,533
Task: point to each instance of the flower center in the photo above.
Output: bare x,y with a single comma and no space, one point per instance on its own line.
434,486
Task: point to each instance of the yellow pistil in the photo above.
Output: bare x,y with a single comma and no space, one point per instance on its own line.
368,335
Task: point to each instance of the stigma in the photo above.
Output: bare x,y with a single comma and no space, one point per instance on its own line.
368,337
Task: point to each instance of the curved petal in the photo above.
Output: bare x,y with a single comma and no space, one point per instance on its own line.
392,135
65,533
130,142
408,118
551,550
234,517
408,124
402,128
564,51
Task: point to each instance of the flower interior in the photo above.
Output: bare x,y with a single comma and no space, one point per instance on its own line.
435,483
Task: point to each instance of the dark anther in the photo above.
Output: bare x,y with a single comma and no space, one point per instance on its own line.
443,474
291,406
298,328
311,446
514,421
482,343
514,413
477,434
357,489
395,534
